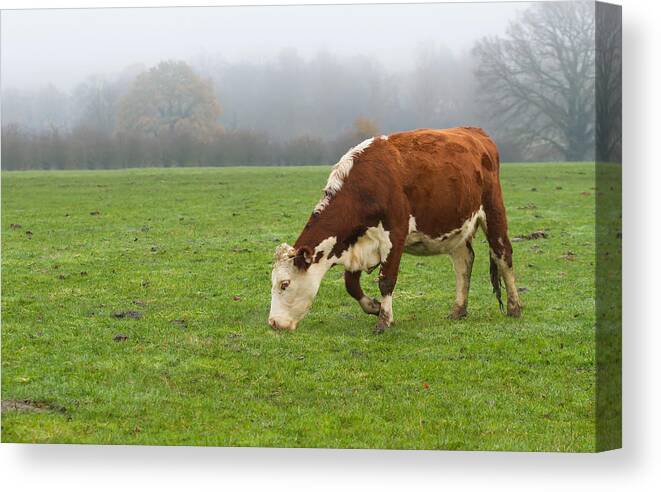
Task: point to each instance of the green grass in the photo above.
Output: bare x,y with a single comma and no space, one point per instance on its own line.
181,244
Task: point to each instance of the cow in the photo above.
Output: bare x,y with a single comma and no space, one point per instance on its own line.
423,192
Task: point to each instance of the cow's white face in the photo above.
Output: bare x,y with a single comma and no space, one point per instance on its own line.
295,281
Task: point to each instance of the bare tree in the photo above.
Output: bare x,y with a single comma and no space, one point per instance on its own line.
539,78
96,100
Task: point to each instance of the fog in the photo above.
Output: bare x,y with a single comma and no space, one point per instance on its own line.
63,46
108,88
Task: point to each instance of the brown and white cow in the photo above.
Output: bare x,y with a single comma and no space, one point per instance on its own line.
424,192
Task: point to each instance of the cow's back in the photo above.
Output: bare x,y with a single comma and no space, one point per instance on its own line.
444,174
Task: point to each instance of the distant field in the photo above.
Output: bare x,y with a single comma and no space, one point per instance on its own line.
184,255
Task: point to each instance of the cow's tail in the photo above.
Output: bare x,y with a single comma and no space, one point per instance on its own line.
495,282
494,273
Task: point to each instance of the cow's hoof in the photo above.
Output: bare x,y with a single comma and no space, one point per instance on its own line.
458,312
382,325
370,305
385,320
514,310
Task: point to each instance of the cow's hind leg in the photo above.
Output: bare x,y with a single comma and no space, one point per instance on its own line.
501,267
506,271
352,283
462,261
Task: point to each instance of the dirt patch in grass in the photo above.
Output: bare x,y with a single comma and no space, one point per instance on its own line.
569,256
127,314
532,236
29,406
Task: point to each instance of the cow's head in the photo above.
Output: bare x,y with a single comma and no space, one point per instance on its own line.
294,284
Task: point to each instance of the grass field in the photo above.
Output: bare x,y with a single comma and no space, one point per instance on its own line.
134,308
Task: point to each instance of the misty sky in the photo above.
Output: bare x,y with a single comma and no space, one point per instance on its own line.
66,46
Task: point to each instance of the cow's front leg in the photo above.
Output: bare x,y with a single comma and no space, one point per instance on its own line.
387,281
462,261
352,283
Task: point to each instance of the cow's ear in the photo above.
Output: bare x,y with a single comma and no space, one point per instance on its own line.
303,258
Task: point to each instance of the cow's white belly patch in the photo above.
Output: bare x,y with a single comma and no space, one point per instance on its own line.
420,244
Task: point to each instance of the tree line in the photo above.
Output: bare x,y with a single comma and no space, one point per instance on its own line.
532,89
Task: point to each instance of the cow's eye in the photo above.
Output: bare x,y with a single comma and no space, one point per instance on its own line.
284,284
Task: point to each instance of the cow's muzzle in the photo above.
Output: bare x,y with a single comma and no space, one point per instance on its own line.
282,325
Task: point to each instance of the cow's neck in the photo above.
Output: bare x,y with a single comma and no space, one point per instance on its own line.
323,234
